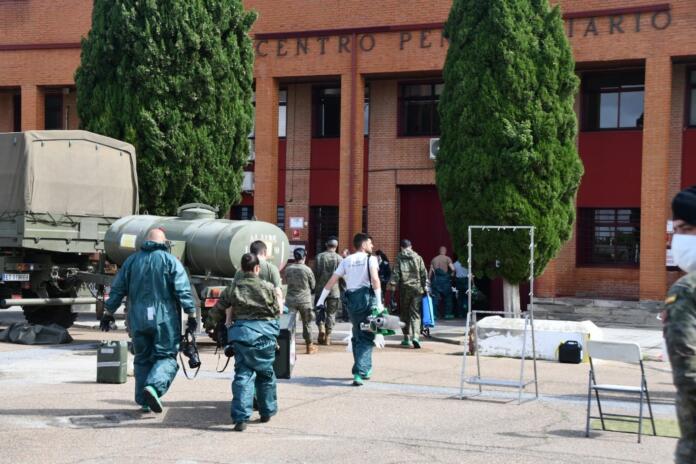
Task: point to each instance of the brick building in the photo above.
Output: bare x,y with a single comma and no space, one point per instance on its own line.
346,93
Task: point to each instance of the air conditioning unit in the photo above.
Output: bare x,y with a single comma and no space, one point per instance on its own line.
434,146
248,182
252,150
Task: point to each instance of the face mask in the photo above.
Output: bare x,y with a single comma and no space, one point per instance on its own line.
684,251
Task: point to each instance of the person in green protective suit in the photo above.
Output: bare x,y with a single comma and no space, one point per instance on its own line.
324,267
157,286
411,278
251,307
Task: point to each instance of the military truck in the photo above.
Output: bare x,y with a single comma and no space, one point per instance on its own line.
59,193
68,203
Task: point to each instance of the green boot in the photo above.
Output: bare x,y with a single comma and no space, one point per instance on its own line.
405,341
357,381
152,399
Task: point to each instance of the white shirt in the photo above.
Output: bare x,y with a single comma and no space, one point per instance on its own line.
460,272
353,269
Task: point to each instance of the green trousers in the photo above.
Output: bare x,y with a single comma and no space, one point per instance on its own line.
410,304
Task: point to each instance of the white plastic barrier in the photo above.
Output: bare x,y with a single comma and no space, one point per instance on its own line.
500,336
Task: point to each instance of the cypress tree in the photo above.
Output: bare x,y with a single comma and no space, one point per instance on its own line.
508,152
174,78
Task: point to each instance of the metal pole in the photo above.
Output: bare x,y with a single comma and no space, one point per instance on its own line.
531,308
468,317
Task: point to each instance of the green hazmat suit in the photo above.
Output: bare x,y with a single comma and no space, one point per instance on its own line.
156,285
411,278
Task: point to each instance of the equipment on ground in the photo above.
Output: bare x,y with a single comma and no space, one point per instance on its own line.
59,192
570,352
112,362
24,333
286,352
521,383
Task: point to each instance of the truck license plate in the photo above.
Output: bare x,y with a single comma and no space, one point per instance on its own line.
15,277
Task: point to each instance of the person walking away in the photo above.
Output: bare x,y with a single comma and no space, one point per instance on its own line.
269,272
156,285
441,269
363,292
411,278
461,283
384,271
679,319
324,267
251,307
299,300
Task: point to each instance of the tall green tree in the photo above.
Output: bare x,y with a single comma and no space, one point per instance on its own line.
174,78
508,151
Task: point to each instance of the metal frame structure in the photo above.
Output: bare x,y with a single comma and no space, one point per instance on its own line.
520,384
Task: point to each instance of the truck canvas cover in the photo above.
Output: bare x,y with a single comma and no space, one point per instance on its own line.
67,173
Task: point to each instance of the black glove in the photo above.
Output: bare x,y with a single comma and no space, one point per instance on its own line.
320,314
191,324
106,321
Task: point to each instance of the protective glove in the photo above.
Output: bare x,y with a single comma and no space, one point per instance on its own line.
320,314
191,324
106,321
379,341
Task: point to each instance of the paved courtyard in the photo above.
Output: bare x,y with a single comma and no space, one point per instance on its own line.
53,411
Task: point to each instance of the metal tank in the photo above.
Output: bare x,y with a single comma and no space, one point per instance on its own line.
210,246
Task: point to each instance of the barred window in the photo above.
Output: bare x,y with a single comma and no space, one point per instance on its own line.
609,237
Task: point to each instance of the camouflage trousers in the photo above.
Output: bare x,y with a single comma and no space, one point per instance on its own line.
410,303
307,316
680,336
332,305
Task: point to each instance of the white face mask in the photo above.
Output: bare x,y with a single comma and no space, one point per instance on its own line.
684,251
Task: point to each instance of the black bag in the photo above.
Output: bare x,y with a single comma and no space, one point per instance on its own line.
570,352
24,333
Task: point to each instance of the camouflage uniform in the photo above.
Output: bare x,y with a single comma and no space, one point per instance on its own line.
269,272
301,285
324,267
680,335
254,334
412,279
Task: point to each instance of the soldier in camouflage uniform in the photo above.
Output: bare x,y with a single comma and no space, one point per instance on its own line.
269,272
252,307
324,267
301,285
410,276
679,318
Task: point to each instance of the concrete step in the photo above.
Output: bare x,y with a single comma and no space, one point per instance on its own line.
604,313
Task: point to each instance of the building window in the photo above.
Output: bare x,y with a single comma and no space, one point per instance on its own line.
609,237
53,112
366,112
692,98
613,101
323,224
242,213
280,217
282,113
282,116
418,109
327,112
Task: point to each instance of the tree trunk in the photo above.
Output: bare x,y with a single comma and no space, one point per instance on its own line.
511,299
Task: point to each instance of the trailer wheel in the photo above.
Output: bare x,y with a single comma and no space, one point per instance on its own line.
61,315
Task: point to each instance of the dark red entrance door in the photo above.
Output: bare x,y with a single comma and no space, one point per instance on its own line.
422,221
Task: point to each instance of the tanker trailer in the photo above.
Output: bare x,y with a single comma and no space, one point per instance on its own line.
210,249
59,192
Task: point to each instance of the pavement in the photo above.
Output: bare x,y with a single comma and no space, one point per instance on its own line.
53,410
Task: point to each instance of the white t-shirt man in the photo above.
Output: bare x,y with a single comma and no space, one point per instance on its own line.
354,271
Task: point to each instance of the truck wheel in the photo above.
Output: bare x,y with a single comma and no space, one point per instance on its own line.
45,315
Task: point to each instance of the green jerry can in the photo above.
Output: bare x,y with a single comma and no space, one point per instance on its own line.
286,355
112,362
